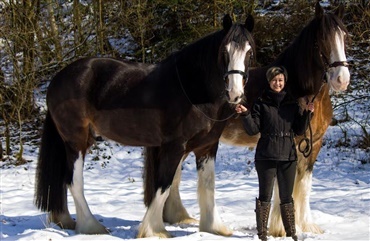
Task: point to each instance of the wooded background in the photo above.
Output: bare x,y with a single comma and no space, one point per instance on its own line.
39,37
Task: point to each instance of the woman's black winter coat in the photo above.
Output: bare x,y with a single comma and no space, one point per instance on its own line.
278,118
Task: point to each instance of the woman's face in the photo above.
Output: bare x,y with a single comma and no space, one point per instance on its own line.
277,83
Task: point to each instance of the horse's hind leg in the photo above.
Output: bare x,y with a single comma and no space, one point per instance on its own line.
210,220
174,211
161,164
77,138
63,219
86,222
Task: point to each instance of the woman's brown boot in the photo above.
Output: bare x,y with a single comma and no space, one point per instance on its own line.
262,217
287,215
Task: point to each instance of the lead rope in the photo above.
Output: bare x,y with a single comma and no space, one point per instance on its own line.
308,141
196,107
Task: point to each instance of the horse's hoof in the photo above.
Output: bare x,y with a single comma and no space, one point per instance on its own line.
312,228
71,225
93,227
64,221
223,231
189,221
162,234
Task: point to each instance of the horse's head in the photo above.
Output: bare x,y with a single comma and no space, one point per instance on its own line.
330,39
238,47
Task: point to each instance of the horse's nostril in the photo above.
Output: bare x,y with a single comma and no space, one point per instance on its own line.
339,79
237,99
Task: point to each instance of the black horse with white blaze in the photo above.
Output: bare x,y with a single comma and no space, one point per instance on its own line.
172,108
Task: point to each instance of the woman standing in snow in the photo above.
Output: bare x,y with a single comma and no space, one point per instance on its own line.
278,117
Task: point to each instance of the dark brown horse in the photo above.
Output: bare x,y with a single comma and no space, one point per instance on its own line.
316,63
171,106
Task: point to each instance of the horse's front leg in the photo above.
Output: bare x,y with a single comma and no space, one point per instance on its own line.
302,190
174,211
210,220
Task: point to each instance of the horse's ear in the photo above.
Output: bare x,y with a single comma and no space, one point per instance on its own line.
340,11
249,23
319,11
227,22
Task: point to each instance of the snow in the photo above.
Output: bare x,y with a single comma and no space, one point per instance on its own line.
340,196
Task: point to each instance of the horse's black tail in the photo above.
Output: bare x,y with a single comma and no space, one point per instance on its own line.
151,160
51,172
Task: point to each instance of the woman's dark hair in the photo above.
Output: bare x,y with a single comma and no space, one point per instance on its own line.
275,70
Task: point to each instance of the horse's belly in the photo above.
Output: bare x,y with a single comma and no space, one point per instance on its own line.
130,127
234,134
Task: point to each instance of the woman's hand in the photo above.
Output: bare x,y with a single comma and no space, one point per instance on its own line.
310,107
240,108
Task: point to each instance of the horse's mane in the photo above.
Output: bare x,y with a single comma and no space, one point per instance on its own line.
306,75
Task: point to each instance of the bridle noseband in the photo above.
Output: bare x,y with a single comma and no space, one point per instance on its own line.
242,73
245,75
337,64
328,66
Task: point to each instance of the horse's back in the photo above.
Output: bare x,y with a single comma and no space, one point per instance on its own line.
105,96
89,74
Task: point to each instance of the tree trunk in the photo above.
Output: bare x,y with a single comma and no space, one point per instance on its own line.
54,31
77,28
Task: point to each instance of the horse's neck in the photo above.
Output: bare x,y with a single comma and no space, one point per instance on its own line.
258,81
301,69
196,81
200,74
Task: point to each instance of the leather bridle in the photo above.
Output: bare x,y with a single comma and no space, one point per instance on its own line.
245,75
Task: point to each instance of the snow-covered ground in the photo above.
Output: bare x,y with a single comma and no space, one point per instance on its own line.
340,199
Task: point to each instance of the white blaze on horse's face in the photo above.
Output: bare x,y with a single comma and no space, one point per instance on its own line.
338,77
235,82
